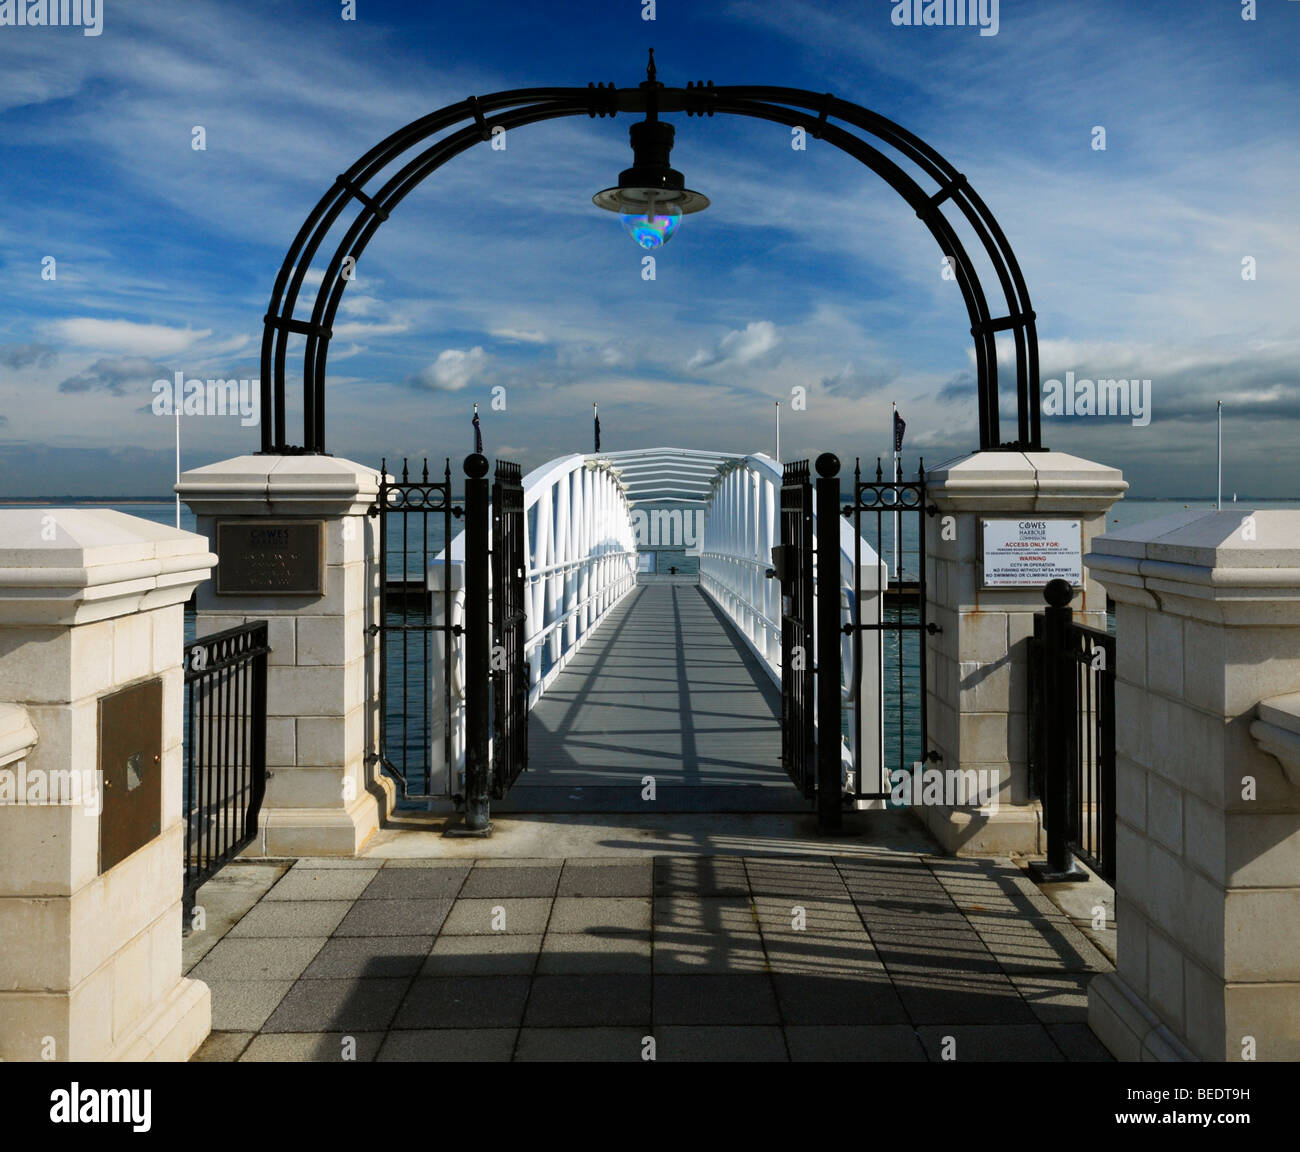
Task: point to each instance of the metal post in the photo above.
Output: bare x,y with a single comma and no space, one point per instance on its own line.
1218,498
478,767
830,804
1058,725
778,432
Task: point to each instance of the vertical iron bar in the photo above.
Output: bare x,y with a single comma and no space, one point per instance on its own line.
477,662
829,663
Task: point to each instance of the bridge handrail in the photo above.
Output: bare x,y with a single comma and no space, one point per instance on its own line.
742,523
580,551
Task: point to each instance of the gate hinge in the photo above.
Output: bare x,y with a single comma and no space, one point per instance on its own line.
372,629
933,629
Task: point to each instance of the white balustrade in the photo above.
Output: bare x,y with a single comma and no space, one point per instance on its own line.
580,555
741,525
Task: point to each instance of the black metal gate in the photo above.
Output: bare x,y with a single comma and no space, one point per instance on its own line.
225,749
794,568
898,627
414,526
509,615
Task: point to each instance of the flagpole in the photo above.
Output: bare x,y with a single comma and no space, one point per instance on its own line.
893,424
778,431
595,432
1218,499
178,464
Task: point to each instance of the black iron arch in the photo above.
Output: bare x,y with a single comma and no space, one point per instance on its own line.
514,109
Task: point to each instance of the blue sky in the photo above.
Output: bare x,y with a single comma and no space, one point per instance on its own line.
807,271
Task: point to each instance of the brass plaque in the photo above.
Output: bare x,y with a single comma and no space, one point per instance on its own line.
130,763
270,557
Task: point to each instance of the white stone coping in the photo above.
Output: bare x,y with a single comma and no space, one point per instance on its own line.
72,565
1203,555
17,734
1025,482
274,485
1277,732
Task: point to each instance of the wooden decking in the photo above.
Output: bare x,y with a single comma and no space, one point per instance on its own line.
664,688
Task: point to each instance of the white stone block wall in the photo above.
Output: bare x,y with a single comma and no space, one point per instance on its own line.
322,797
977,664
90,967
1208,829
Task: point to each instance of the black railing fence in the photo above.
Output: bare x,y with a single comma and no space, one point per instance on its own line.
225,748
1071,715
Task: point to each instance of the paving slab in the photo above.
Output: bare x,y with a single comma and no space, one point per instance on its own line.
449,1045
501,879
464,1002
258,958
313,1047
416,883
222,1047
826,1000
856,1043
984,1042
528,916
601,914
327,1005
622,952
589,1000
500,954
822,953
686,952
730,1044
282,918
581,1045
1079,1044
722,914
599,878
368,956
322,884
244,1005
730,998
394,918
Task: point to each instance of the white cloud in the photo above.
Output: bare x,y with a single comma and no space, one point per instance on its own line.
738,347
519,336
125,336
453,370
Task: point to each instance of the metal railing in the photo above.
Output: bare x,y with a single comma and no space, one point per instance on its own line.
580,554
741,527
1071,716
225,748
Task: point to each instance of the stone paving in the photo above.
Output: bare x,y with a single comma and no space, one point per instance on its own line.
813,957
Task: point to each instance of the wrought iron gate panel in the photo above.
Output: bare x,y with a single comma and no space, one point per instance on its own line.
509,669
406,624
900,613
795,571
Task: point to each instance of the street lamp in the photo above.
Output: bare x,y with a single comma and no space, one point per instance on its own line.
651,197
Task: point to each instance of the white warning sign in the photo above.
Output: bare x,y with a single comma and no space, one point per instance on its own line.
1029,553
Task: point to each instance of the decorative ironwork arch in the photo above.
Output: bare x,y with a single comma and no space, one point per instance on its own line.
520,107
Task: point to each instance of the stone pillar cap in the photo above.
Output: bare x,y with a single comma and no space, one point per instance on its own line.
73,565
1025,482
279,485
1244,554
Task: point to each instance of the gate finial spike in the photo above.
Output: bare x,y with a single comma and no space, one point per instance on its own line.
650,72
426,470
879,473
405,476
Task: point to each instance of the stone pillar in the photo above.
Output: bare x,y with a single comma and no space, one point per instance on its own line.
91,604
976,665
322,797
1207,637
